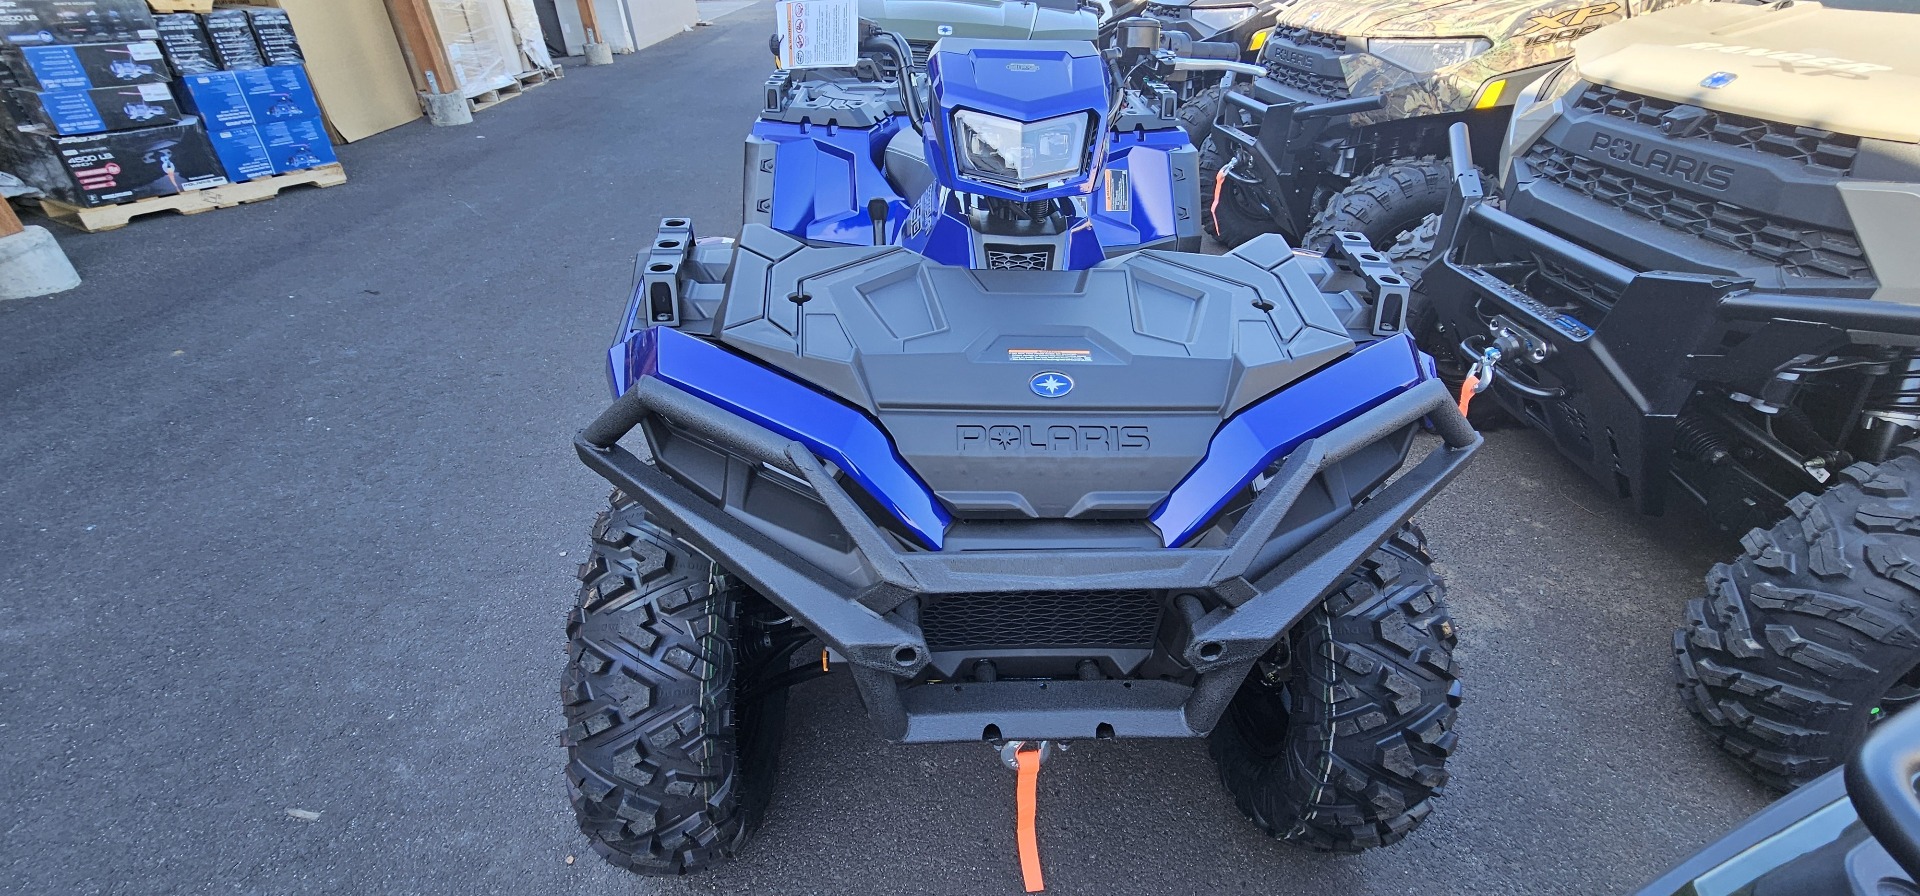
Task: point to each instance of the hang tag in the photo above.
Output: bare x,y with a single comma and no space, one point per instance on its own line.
817,33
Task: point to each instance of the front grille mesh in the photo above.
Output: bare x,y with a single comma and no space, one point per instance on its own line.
1821,150
1029,619
1299,78
1013,258
1305,37
1799,249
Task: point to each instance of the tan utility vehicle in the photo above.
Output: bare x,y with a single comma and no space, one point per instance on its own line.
1704,286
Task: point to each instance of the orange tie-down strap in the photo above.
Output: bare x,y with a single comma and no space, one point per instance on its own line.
1027,763
1467,387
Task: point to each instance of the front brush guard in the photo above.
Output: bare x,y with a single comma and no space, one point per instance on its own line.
875,628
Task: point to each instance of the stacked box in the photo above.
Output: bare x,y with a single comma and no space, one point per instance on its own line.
185,44
88,88
45,22
82,66
261,122
231,33
273,33
114,166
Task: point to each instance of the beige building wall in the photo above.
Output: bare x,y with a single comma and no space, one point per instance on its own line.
657,20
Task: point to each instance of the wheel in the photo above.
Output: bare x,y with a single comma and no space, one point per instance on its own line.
1339,740
1396,206
1809,636
1198,114
670,770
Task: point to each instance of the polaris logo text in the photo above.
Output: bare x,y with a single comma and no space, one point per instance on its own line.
1026,438
1665,161
1796,63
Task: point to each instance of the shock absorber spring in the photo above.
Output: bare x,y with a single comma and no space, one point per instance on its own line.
1699,439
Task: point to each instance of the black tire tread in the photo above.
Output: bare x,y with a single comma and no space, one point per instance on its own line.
1802,634
654,755
1370,712
1380,202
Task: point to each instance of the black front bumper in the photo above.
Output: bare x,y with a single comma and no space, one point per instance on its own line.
1610,382
1287,137
1255,599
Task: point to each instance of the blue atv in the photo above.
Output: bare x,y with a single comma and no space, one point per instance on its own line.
1024,481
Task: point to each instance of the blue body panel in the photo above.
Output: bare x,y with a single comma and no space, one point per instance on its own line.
1252,440
1141,159
828,428
1247,444
826,175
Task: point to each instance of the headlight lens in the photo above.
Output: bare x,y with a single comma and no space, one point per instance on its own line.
1425,55
1221,18
1019,154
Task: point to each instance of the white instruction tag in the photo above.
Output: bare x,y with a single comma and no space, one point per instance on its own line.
817,33
143,51
154,93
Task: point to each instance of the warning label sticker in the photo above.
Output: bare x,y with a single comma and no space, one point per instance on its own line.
817,33
1050,355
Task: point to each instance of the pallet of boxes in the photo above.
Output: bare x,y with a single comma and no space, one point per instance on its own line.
112,112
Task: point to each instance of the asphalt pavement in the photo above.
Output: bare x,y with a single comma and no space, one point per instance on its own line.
289,514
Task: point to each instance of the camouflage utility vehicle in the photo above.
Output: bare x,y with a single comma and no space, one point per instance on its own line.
1704,286
1348,129
924,22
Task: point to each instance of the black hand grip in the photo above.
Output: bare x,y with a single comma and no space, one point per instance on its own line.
1880,783
1213,49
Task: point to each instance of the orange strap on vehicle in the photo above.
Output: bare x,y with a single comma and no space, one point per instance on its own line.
1027,764
1219,184
1466,391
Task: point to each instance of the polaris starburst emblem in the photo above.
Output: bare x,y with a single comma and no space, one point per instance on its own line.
1718,80
1051,384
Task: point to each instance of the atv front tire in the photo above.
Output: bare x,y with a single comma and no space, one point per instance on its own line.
670,770
1809,636
1339,740
1396,206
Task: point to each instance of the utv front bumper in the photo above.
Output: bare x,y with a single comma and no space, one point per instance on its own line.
1604,358
1228,603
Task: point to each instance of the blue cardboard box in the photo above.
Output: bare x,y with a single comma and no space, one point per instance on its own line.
217,98
252,96
241,152
297,145
278,93
70,112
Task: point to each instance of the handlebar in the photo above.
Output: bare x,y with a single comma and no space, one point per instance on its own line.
1213,49
1219,65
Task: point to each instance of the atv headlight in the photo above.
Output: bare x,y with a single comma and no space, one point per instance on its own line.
1019,154
1221,18
1427,55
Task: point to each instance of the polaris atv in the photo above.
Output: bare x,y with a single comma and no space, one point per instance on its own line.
1847,833
1703,288
838,158
1021,492
1347,130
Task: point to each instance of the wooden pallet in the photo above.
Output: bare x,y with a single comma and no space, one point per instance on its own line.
167,6
114,217
521,84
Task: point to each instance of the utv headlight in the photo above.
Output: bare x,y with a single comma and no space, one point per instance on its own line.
1427,55
1019,154
1221,18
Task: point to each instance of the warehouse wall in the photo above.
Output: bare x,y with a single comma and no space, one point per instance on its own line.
657,20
